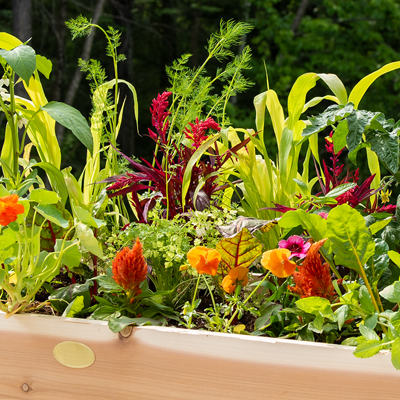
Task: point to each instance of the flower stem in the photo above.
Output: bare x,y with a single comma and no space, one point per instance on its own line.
193,300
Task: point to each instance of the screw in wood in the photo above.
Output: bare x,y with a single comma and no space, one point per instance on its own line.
126,332
25,387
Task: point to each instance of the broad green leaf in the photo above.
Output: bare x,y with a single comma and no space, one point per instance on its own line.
109,284
314,305
86,217
359,90
340,135
368,348
263,321
368,333
75,307
74,190
365,300
43,65
392,292
352,242
378,225
187,176
87,239
395,353
297,96
71,256
240,251
357,123
72,119
8,238
395,257
386,147
342,314
331,115
60,298
56,179
378,263
371,321
336,85
43,196
52,214
117,324
22,60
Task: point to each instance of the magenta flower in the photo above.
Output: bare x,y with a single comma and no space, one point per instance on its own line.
324,215
296,245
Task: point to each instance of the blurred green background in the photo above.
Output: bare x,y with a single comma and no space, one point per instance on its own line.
350,38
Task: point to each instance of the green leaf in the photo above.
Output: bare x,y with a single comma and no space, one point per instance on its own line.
336,85
329,117
395,353
117,324
357,122
86,217
22,60
392,292
371,321
62,297
8,238
240,251
52,214
378,225
43,196
43,65
368,349
108,284
395,257
75,307
2,275
365,300
87,239
71,256
340,135
386,147
264,320
342,314
339,190
56,179
72,119
368,333
313,305
351,240
378,263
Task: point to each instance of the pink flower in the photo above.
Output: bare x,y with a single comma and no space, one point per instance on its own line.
324,215
296,245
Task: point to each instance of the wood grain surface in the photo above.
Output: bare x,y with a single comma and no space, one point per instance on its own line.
167,363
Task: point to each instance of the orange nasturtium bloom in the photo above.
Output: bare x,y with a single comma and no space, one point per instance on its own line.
277,261
9,209
205,260
235,275
130,269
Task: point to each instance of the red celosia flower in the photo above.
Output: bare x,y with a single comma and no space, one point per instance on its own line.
159,117
296,245
9,209
313,278
130,269
198,129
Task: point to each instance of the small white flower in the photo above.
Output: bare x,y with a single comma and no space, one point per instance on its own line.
4,82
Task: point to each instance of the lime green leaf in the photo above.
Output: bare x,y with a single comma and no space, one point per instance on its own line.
336,85
342,314
43,196
86,217
72,119
56,179
2,275
351,240
368,349
22,60
392,292
365,300
240,251
368,333
71,256
75,307
87,239
313,305
395,353
378,225
117,324
8,238
52,214
43,65
395,257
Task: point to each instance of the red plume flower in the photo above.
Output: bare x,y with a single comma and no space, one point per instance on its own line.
313,278
130,269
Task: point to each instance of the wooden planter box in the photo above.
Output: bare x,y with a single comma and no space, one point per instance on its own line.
168,363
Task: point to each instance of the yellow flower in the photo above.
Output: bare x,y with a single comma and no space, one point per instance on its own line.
385,196
205,260
277,261
235,275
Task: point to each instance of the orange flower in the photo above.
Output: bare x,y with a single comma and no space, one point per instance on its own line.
130,269
313,278
277,261
9,209
205,260
238,274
